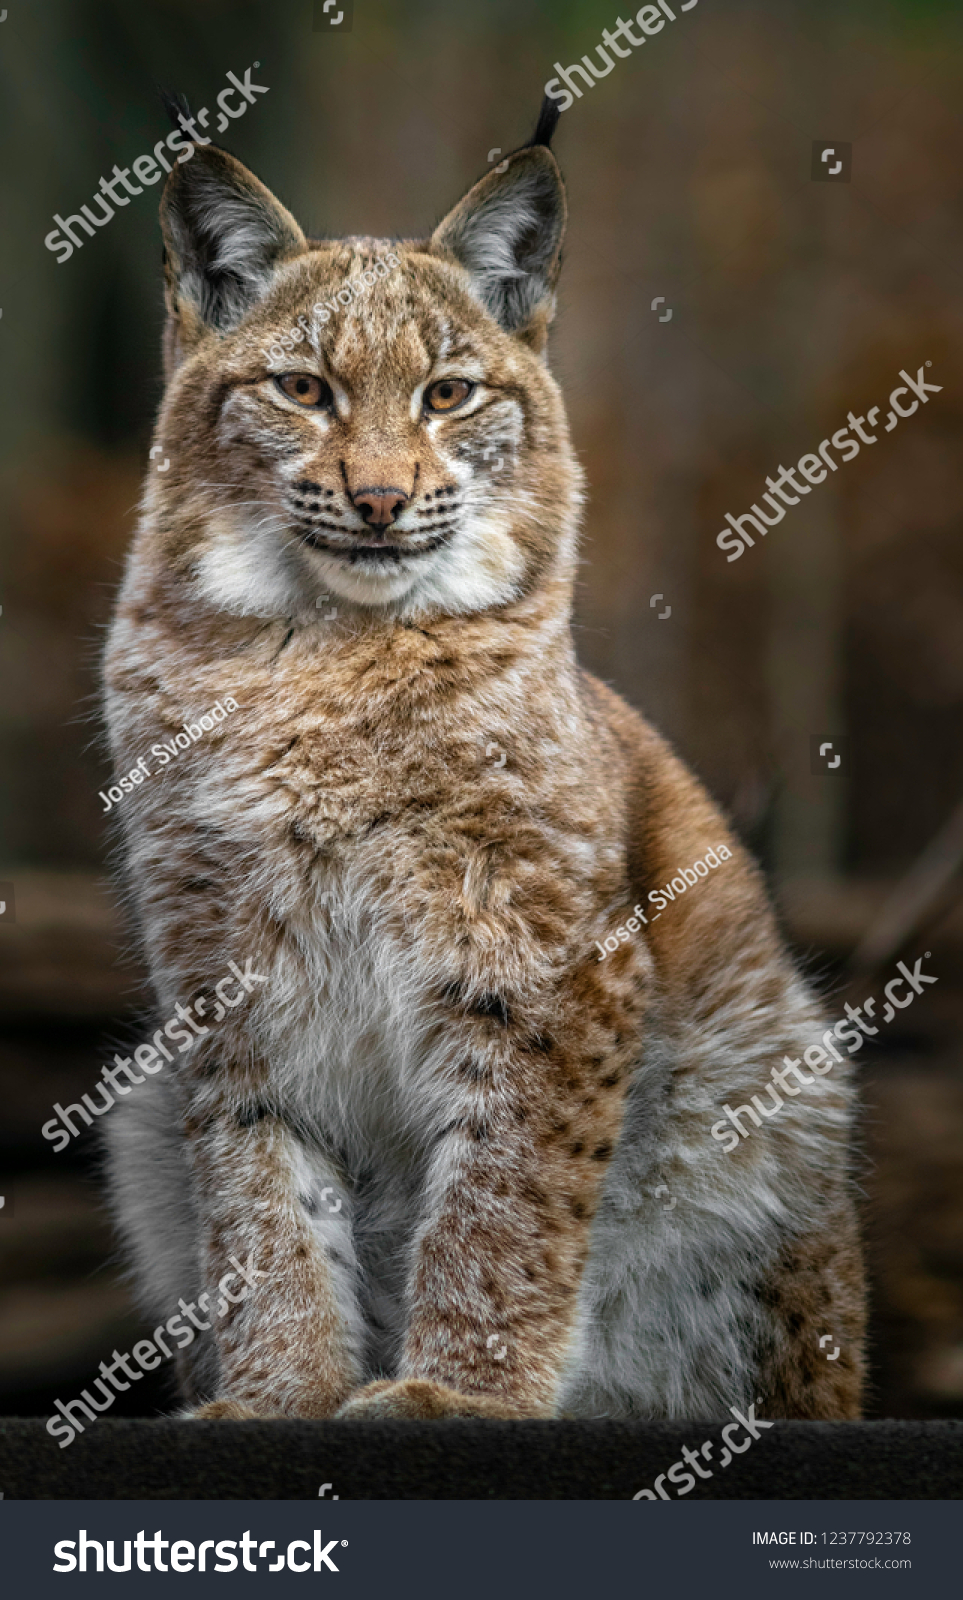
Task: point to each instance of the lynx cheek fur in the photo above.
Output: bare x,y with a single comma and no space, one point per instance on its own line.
443,1129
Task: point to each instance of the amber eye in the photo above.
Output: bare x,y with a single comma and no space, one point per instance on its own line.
448,393
304,388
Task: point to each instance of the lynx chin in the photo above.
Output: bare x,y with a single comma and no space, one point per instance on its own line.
438,1042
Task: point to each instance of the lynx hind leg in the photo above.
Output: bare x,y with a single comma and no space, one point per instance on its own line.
151,1196
816,1293
152,1201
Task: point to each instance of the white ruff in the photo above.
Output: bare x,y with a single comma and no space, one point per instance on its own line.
247,571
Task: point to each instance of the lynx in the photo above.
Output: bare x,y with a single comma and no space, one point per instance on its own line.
471,1161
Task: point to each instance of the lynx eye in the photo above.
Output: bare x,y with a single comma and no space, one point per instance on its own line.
448,393
303,387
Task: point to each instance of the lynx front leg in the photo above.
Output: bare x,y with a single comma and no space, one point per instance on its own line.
292,1345
512,1188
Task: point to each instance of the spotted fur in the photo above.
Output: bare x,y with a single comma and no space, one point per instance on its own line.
443,1127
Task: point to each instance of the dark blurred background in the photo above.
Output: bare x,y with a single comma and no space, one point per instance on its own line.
793,302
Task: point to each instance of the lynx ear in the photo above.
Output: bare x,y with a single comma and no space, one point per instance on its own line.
507,234
224,235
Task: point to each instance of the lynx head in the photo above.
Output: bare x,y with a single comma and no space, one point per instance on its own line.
362,417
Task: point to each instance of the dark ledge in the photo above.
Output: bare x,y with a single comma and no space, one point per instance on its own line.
176,1460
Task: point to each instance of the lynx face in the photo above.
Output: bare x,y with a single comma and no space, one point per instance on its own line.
410,452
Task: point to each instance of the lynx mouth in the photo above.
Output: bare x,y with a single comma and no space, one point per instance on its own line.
377,552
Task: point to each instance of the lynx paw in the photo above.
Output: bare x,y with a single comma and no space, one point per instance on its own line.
419,1400
224,1411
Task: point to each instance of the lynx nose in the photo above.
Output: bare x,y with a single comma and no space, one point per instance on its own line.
379,507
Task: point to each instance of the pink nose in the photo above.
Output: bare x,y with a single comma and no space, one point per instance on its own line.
379,507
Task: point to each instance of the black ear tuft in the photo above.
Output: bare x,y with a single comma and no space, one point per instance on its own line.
547,123
175,105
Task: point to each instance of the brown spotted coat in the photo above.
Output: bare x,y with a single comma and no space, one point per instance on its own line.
472,1160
